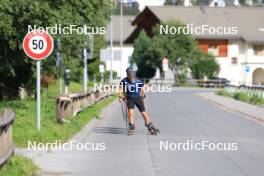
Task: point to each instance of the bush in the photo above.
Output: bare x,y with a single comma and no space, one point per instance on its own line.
241,96
222,93
182,78
19,166
204,67
255,99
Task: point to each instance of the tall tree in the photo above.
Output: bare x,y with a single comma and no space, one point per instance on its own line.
181,50
16,69
141,56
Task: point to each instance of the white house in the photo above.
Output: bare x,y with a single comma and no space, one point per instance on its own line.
120,56
240,55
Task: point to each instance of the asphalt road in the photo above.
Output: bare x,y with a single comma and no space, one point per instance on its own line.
180,116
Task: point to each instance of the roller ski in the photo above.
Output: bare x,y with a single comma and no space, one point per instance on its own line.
131,129
152,130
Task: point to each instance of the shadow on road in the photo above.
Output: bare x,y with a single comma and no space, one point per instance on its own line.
114,130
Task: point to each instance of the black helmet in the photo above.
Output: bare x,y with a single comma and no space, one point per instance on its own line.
131,72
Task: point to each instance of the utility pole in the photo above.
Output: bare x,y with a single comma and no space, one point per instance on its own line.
111,44
58,64
121,37
85,70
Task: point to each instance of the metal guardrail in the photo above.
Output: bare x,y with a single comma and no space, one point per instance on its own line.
161,81
253,90
70,105
213,83
7,146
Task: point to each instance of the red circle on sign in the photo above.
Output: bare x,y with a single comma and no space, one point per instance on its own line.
48,42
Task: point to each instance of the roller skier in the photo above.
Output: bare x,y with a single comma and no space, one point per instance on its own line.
132,93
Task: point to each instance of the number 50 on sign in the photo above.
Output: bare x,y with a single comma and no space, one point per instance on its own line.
38,45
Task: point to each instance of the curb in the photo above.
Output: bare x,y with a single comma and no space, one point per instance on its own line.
252,117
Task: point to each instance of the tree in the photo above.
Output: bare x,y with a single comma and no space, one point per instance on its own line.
204,67
179,48
18,70
142,56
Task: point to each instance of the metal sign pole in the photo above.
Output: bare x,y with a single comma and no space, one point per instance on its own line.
59,60
32,47
38,95
85,70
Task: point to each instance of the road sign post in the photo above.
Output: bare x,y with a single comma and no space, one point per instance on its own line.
38,45
38,95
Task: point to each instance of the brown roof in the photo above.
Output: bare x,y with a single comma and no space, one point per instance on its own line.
247,19
127,28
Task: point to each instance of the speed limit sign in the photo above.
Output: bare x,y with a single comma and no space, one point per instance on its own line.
38,44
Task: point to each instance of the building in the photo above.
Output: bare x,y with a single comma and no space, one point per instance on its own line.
120,59
240,55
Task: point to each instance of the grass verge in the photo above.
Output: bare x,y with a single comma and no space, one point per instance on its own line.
19,166
25,123
241,96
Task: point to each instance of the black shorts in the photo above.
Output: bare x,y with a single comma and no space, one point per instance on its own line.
138,101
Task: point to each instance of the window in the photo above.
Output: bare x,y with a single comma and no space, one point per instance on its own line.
213,49
258,50
234,60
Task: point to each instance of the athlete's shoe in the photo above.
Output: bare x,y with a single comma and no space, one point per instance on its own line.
153,130
131,129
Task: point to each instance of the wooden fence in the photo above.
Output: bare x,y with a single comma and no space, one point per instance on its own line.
70,105
7,146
